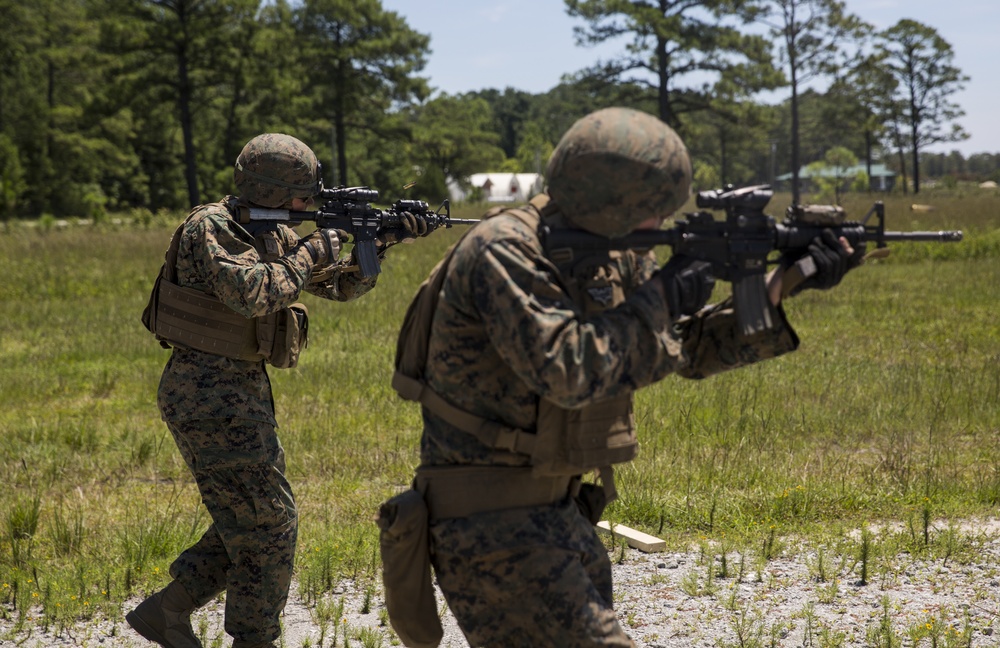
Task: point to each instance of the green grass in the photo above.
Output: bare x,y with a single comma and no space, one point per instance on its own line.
887,414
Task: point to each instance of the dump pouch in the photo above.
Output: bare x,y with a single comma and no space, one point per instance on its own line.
406,570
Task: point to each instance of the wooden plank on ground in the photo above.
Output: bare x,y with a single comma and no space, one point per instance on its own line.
635,539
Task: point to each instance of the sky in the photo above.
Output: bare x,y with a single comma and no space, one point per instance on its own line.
529,45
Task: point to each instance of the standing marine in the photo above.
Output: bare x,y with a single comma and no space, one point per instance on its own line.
532,359
225,302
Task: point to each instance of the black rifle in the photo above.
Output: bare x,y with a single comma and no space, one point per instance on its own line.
738,247
349,209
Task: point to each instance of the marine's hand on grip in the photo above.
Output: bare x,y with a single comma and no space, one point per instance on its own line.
323,245
411,226
823,264
419,224
687,284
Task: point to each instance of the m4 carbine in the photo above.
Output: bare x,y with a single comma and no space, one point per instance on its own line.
349,209
739,246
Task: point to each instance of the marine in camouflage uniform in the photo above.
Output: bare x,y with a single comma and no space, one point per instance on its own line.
507,332
220,410
221,414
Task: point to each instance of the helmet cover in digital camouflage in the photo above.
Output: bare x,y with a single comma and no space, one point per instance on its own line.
272,169
616,168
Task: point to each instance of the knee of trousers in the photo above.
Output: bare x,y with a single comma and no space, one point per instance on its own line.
248,498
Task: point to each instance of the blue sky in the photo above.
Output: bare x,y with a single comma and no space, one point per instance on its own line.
529,45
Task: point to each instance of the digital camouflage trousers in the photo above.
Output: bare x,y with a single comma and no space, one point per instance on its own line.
249,549
532,577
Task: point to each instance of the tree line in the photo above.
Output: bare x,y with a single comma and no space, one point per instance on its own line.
109,105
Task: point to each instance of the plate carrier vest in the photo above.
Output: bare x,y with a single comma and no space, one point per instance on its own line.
189,318
565,442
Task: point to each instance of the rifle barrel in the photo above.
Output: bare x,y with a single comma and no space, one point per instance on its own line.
786,237
942,235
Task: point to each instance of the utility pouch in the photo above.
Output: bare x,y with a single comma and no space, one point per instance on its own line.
592,500
282,335
149,313
575,441
168,271
406,570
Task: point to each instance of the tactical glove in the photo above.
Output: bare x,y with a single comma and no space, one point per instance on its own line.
687,284
323,246
410,227
823,264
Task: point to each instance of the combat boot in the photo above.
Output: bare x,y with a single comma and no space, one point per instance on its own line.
165,618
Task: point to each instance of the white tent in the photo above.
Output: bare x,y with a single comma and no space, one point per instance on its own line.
498,187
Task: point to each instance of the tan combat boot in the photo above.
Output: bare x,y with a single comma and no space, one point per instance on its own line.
165,618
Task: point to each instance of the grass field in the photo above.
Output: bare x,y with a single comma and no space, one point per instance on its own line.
887,413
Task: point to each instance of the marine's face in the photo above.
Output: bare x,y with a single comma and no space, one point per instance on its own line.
302,204
652,223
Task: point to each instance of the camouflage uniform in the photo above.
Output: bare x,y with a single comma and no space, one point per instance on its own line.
221,414
505,332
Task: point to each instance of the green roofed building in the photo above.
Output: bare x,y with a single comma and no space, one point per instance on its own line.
881,179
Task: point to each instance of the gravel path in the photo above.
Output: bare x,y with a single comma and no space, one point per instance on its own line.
669,600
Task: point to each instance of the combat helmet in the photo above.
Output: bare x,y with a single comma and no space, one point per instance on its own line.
273,168
616,168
